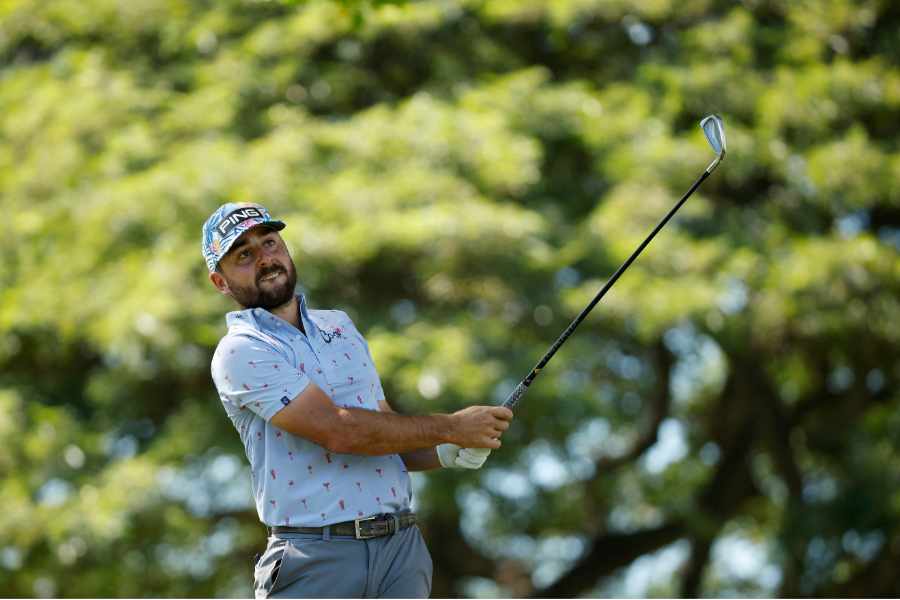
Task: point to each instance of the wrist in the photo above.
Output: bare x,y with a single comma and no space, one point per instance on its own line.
446,426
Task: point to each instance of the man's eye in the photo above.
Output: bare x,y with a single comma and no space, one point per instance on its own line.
270,242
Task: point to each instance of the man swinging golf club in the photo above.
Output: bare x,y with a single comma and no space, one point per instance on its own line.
329,458
324,446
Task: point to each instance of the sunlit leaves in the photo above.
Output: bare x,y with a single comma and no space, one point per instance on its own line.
462,177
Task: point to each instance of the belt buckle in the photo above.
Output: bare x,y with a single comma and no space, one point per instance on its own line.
356,523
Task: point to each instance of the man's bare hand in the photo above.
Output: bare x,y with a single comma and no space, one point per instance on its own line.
480,426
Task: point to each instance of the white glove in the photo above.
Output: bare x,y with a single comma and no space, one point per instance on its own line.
452,456
447,454
472,458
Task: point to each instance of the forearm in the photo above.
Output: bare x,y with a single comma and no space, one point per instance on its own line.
314,416
373,433
421,460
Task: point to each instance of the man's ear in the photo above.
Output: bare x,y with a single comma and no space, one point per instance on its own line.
219,281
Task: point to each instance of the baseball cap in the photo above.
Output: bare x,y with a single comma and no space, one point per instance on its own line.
227,224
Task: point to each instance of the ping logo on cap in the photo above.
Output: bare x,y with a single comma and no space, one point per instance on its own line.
237,217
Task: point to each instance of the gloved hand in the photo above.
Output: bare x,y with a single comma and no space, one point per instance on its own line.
452,456
472,458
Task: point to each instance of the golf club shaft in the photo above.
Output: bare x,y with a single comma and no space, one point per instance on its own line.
520,389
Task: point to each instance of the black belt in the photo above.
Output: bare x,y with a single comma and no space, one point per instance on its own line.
361,529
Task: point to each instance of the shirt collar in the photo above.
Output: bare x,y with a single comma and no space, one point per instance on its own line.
260,318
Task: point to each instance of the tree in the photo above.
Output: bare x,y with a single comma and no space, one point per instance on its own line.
461,176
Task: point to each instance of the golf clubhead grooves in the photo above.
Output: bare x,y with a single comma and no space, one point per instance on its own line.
714,130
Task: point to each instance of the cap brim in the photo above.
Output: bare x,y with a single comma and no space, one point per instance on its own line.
273,225
276,225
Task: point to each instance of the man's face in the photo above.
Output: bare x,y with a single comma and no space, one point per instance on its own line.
257,271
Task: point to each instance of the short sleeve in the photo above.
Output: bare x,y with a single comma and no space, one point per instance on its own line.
251,374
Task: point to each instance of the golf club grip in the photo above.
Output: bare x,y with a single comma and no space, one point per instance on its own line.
516,394
513,399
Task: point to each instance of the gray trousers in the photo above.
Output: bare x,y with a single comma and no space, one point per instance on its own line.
298,565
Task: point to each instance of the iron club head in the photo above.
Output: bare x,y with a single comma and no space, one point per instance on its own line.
714,130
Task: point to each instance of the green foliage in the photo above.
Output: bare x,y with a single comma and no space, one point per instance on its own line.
462,176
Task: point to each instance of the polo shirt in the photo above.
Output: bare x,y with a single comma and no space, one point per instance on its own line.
259,366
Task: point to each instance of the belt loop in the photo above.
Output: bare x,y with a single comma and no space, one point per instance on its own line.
396,520
326,533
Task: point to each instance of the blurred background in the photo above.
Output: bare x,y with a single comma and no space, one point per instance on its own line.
461,177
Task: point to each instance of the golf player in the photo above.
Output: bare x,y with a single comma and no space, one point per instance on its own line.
329,459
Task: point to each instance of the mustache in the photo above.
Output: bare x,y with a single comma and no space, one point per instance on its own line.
269,271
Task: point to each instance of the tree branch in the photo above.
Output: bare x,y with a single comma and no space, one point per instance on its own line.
608,553
696,565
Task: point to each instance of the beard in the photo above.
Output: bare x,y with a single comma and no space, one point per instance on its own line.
268,295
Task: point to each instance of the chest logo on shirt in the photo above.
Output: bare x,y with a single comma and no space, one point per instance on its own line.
337,332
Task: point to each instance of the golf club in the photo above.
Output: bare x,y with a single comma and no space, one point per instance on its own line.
714,130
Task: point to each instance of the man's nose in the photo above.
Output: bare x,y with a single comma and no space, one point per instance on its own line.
265,259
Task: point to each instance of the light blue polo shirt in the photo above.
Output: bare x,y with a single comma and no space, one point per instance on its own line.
261,364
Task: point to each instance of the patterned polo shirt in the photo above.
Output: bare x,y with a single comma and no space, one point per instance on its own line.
261,364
